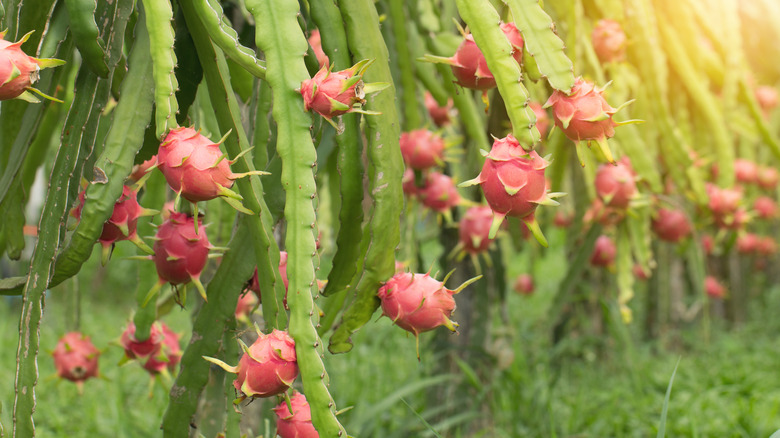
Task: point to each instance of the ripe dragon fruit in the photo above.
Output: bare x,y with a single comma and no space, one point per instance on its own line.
604,252
180,252
268,367
469,65
418,302
135,349
745,171
768,177
747,243
295,424
408,184
196,168
422,149
245,305
616,185
542,119
512,180
76,358
18,72
584,115
167,355
724,204
143,169
671,225
315,41
766,246
439,114
122,225
767,98
332,93
605,215
474,229
524,284
609,41
640,273
766,207
439,193
714,288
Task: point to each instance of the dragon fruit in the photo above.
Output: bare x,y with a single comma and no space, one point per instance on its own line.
315,41
167,355
332,94
616,185
439,114
671,225
422,149
609,41
408,184
18,72
469,65
180,252
584,115
474,228
418,302
723,201
767,98
747,243
196,168
268,367
439,193
745,171
143,169
766,207
295,424
714,288
605,215
135,349
76,358
766,246
562,220
123,221
604,252
245,305
768,177
512,180
640,273
524,284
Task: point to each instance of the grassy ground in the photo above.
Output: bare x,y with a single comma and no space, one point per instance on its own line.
609,386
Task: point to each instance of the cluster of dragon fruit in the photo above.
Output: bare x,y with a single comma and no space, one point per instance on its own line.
512,183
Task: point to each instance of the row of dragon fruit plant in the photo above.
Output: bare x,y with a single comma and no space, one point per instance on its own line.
185,89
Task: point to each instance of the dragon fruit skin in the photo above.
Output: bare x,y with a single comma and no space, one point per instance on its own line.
765,207
671,225
439,114
616,184
76,358
604,252
439,193
332,94
745,171
422,149
542,119
513,183
714,288
474,229
298,423
254,283
135,349
18,72
181,253
168,354
469,65
609,41
194,166
524,284
417,302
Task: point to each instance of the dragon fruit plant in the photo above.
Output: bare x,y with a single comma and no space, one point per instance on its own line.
267,368
294,421
513,182
76,358
18,72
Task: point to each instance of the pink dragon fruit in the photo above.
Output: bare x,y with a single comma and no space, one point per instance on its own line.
18,72
723,201
584,115
640,273
123,221
180,253
745,171
167,355
524,284
707,244
513,183
422,149
714,288
315,41
439,114
767,98
295,424
332,94
135,349
609,41
766,207
469,65
245,305
408,184
141,170
766,246
76,358
418,302
562,220
542,119
604,252
439,193
268,367
474,228
616,185
671,225
605,215
196,168
747,243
